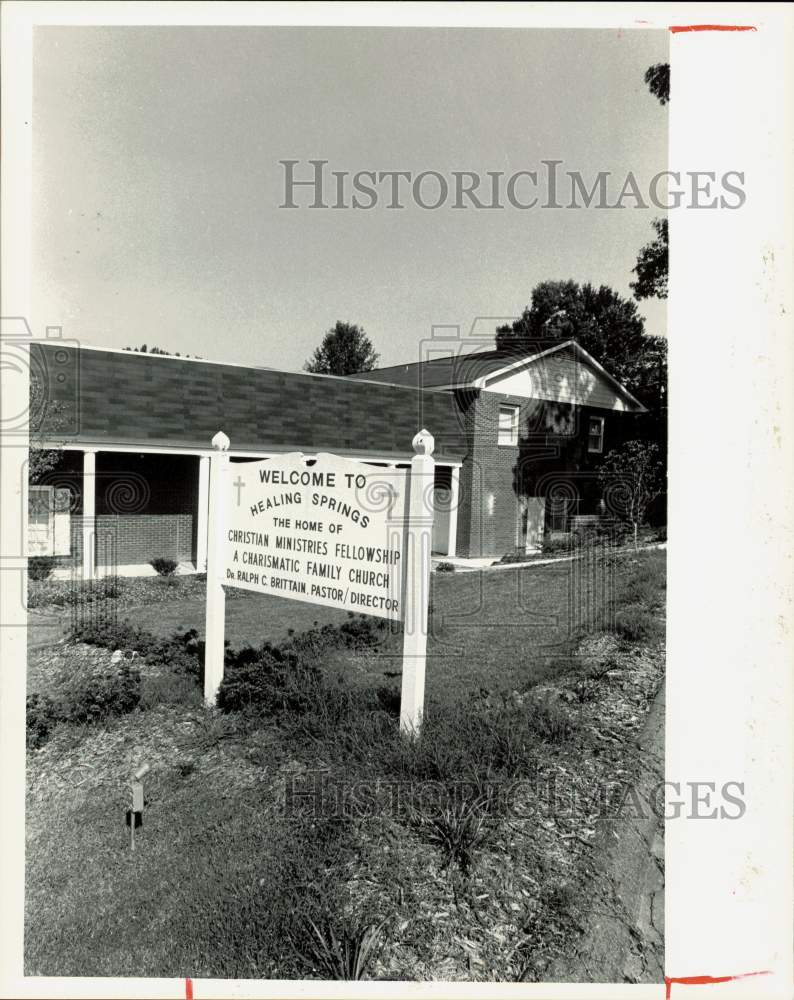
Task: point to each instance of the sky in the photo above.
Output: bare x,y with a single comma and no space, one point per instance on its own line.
157,181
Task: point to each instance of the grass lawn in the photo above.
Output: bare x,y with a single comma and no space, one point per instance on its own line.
224,873
490,630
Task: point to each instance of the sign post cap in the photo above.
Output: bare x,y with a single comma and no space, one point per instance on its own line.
221,441
424,443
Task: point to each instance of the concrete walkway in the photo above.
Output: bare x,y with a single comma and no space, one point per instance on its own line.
488,563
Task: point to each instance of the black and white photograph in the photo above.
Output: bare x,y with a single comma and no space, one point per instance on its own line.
338,474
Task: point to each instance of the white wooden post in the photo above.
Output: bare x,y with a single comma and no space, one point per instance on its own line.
202,519
417,583
89,514
454,500
215,624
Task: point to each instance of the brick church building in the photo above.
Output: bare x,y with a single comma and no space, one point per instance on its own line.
518,442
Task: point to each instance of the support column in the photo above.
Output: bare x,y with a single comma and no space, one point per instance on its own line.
215,622
89,514
203,513
417,583
454,499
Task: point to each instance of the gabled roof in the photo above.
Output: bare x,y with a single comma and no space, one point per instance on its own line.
482,369
457,371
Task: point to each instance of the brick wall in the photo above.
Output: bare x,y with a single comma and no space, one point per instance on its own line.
551,458
134,539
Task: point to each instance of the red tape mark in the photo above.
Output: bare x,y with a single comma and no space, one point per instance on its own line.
705,980
188,989
674,28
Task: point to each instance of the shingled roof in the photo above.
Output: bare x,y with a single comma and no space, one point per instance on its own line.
106,397
456,370
485,369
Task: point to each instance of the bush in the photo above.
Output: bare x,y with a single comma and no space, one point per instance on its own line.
111,635
457,830
337,946
102,696
40,567
445,567
169,688
91,699
556,543
163,566
268,681
636,623
359,632
40,718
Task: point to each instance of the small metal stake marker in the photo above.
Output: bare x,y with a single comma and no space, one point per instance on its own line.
135,814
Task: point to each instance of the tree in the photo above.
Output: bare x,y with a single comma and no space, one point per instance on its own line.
144,349
606,325
42,460
631,478
652,261
345,350
658,79
651,266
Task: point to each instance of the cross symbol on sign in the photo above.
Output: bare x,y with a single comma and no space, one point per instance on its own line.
238,485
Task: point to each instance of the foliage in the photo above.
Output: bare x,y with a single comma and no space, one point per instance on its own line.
43,410
445,567
634,476
560,542
132,590
145,349
89,700
606,325
457,829
636,623
268,681
339,947
658,79
345,350
40,718
163,566
40,567
652,265
116,692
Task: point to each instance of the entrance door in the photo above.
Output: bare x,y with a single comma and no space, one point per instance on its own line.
531,521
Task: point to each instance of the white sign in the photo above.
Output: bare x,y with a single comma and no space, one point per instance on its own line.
326,530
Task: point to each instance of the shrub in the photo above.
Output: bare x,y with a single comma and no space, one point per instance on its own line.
40,567
268,681
445,567
358,632
457,829
163,566
92,699
556,543
169,688
40,718
102,696
636,623
550,721
111,635
337,946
